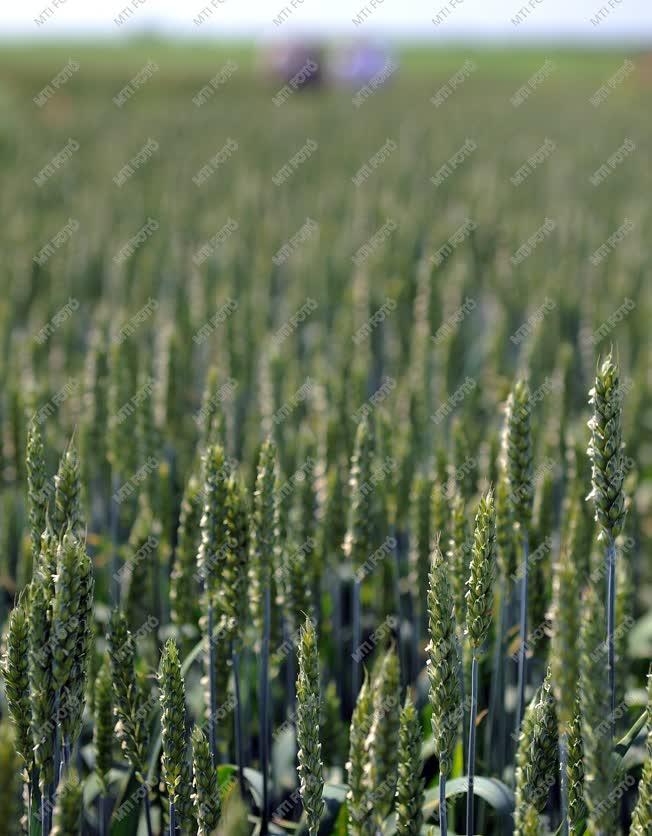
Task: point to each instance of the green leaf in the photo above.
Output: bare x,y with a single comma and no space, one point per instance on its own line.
341,822
499,796
458,760
91,789
331,823
129,824
640,638
35,825
225,772
628,739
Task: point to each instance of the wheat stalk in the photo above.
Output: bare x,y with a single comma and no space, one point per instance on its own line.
607,477
356,797
174,764
443,666
536,757
103,735
67,816
15,672
206,796
183,584
36,486
381,745
517,462
479,605
129,703
358,543
642,815
264,537
409,784
595,704
308,716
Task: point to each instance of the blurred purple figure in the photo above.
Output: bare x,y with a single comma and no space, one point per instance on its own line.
356,65
300,65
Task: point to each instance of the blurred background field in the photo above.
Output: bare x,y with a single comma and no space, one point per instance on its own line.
229,203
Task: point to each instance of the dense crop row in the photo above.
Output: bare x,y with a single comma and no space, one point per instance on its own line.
325,463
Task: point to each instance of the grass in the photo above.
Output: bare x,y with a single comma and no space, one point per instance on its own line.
197,58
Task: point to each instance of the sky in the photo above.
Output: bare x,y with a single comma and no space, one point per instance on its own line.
506,20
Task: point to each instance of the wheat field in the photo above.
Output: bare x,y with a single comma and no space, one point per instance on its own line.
325,445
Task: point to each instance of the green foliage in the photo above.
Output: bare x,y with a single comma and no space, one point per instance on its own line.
642,816
15,673
264,530
381,745
212,549
41,679
175,769
233,821
361,721
119,393
531,825
72,613
606,450
212,428
420,506
459,555
184,587
439,511
505,541
371,332
67,816
536,758
37,497
67,513
130,702
233,588
358,543
596,709
140,573
575,774
409,785
479,592
566,624
205,796
103,727
443,663
11,764
308,739
517,451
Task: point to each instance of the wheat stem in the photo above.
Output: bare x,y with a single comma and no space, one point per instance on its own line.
113,538
239,750
264,709
522,649
355,682
471,758
173,820
101,813
496,688
563,769
443,813
611,614
148,814
212,732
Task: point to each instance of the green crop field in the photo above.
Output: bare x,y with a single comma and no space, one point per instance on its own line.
325,444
